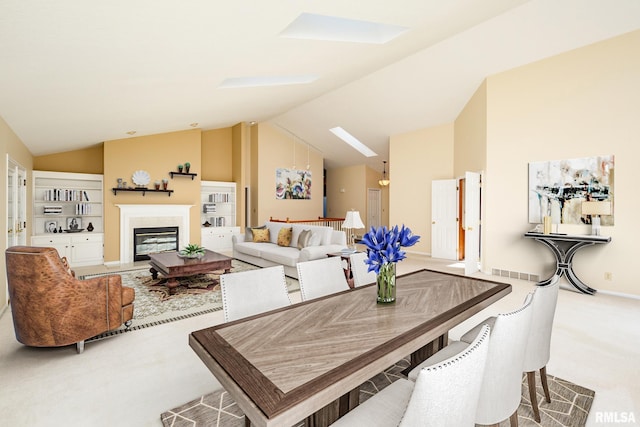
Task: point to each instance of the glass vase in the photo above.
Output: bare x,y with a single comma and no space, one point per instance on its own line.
387,283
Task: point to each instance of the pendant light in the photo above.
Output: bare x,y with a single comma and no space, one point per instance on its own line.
384,181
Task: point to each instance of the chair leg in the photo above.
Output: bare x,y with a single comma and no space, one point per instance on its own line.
127,324
80,346
513,419
545,386
247,421
531,379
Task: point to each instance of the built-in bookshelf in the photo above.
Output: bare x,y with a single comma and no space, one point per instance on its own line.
218,214
65,207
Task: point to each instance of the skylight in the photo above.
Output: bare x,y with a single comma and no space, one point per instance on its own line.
237,82
319,27
353,141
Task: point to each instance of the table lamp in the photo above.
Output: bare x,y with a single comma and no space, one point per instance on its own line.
352,221
595,209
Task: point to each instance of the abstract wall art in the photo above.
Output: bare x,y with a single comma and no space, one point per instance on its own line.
293,184
557,188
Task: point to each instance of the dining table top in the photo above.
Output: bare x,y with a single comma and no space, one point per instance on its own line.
283,365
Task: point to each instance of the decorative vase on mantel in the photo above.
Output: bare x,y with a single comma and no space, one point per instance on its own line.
386,281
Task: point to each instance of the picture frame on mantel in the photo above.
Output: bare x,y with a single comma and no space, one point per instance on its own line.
557,188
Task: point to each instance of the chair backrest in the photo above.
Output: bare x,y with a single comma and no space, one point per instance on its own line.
246,293
501,386
446,394
538,351
321,277
361,275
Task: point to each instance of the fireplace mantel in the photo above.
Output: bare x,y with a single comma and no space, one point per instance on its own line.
132,216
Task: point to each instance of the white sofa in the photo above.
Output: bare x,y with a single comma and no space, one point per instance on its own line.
325,240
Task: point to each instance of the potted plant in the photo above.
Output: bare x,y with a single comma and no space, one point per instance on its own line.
187,166
180,168
192,251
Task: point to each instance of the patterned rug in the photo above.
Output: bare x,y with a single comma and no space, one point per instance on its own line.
154,305
570,404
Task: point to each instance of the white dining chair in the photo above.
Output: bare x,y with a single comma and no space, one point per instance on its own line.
246,293
359,270
444,394
538,348
321,277
501,386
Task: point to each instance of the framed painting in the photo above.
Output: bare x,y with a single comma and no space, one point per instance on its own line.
293,184
557,188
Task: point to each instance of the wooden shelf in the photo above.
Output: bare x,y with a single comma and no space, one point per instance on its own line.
192,175
141,190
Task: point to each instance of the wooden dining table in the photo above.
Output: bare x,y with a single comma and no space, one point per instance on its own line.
306,361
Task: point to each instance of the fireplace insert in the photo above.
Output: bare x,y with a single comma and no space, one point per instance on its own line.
153,240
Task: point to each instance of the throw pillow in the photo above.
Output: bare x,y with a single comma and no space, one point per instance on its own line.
303,239
284,236
261,235
248,234
315,239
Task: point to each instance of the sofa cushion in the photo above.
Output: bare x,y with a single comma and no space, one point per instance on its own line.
315,239
249,248
303,239
284,236
281,255
261,235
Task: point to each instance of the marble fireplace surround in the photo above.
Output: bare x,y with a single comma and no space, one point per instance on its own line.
135,216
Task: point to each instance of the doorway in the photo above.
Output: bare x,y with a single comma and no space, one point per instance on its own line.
374,207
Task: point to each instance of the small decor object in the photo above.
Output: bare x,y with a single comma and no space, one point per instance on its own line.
59,230
141,178
187,166
156,185
192,251
90,227
165,183
120,183
74,223
180,168
383,252
51,226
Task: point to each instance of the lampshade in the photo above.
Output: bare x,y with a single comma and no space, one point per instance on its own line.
596,208
352,220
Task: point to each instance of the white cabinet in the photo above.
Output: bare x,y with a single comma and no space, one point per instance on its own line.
218,214
81,249
218,238
69,201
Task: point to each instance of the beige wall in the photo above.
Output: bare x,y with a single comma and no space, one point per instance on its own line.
216,155
581,103
158,155
275,149
416,159
240,159
12,146
87,160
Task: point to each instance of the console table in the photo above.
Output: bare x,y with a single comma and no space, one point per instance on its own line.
564,247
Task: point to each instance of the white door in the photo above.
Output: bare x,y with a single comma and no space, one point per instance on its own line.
16,204
471,222
374,210
444,222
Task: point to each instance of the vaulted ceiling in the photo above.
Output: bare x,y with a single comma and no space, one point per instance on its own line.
74,73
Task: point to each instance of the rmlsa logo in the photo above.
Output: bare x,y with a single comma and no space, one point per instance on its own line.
615,417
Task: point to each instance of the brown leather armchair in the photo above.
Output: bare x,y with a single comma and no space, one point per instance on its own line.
51,308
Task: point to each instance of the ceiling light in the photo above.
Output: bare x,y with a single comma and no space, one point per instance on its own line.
353,141
237,82
384,181
194,124
131,132
310,26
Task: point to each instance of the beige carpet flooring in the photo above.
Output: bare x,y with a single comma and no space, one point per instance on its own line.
570,404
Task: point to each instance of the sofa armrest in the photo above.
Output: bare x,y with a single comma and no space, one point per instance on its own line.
237,238
316,252
338,238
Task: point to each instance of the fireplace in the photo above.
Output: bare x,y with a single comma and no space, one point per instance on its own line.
154,240
151,216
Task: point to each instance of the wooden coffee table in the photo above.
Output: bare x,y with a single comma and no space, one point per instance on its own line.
171,266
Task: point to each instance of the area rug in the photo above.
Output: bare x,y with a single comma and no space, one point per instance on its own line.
570,404
154,305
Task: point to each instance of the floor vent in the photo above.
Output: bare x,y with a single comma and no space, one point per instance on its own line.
515,275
